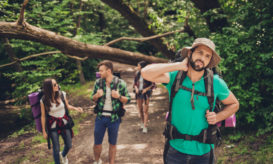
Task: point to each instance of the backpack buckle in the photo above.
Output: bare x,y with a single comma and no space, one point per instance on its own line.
188,137
171,132
205,136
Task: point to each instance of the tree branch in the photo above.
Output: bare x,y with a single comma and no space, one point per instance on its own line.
21,18
77,58
140,25
41,54
72,47
143,39
215,24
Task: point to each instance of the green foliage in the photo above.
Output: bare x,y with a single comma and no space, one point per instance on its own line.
52,15
236,137
79,90
35,71
247,64
38,139
250,149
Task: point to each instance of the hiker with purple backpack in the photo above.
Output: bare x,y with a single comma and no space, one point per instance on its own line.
55,119
191,131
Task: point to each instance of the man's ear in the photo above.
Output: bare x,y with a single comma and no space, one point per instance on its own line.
109,71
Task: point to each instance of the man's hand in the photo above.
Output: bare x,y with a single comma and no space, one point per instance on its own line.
99,93
115,94
211,117
144,91
184,65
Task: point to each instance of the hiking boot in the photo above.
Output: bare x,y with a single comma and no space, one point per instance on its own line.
63,160
98,162
145,130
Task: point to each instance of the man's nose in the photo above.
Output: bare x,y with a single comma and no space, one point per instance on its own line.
203,58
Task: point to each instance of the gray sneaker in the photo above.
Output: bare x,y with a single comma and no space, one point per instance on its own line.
63,160
98,162
141,125
145,130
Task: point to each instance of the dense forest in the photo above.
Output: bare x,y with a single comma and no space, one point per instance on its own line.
65,39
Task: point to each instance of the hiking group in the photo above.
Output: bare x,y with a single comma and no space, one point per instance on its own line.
194,92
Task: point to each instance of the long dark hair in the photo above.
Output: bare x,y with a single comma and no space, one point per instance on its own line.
48,92
142,64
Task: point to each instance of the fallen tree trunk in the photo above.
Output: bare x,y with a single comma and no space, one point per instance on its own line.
26,31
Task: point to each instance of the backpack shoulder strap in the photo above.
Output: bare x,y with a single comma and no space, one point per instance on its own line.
209,87
180,76
137,76
116,81
100,83
63,99
43,100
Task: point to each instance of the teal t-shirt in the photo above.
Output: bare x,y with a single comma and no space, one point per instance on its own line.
189,121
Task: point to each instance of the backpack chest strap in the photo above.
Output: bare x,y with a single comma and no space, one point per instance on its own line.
195,91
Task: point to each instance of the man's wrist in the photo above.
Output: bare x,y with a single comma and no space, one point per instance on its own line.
119,97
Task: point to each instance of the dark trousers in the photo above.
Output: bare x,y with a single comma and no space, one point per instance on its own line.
56,145
176,157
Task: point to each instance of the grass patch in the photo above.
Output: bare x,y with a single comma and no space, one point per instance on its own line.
79,90
250,149
30,128
38,139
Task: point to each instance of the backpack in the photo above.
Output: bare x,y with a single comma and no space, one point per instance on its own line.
212,134
121,111
34,101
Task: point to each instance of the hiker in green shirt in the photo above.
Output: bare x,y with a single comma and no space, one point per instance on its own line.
190,112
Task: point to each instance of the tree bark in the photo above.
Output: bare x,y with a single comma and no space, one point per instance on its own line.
12,55
140,25
78,62
72,47
205,5
81,75
78,20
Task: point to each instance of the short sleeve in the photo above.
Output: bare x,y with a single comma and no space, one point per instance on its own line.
221,88
172,78
96,87
122,87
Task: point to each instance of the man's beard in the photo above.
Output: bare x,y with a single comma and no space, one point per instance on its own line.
195,67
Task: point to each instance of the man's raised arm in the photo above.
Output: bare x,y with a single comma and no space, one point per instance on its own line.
159,72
